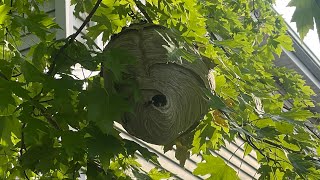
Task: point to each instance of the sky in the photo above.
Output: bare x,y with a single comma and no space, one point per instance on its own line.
311,39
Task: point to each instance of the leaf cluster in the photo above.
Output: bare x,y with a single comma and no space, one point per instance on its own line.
54,124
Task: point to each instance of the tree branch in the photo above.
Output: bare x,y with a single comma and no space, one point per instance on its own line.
85,22
49,118
143,11
248,140
73,37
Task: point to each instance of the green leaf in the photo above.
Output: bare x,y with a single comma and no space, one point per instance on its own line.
182,153
272,173
296,114
247,149
9,126
73,142
117,61
6,98
216,102
39,55
6,68
104,108
131,147
37,158
36,131
97,105
39,24
156,174
177,52
96,173
216,168
13,87
31,73
284,128
285,41
104,147
300,163
4,9
267,132
304,15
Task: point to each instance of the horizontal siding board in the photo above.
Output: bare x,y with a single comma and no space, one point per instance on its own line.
147,165
285,61
246,167
242,174
48,6
236,153
29,39
167,160
239,163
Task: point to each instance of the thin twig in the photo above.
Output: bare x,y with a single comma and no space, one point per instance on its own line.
85,22
214,37
45,101
16,75
248,140
49,118
142,10
279,146
25,175
13,39
73,36
235,152
23,147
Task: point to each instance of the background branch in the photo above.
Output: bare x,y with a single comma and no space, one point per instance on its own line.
73,37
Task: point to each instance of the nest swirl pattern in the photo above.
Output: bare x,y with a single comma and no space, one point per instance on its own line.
172,92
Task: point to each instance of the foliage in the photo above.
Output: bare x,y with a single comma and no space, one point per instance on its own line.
56,125
220,170
306,15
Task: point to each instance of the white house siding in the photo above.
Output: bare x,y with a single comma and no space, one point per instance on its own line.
233,153
246,167
28,39
305,63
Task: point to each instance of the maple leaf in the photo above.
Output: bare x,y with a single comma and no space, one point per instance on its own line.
305,13
3,11
216,167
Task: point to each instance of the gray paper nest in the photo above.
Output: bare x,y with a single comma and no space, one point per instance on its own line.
173,92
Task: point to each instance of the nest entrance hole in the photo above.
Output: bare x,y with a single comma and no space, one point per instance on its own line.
159,100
